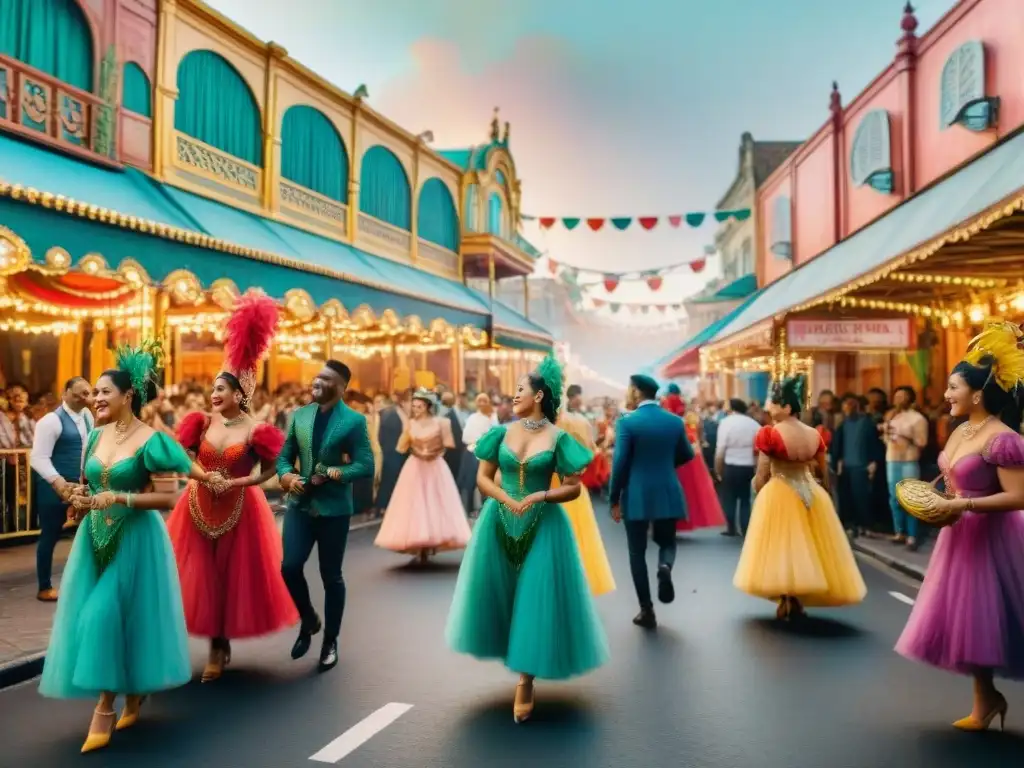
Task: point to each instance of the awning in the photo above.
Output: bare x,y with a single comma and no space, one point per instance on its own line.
685,360
515,331
970,191
740,288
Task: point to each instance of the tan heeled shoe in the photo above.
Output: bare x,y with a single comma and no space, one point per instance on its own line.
214,667
98,739
522,708
130,713
972,723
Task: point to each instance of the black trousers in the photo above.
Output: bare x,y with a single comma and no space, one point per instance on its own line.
52,517
664,534
734,492
330,534
855,491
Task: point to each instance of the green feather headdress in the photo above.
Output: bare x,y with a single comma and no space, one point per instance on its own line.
551,371
141,363
791,391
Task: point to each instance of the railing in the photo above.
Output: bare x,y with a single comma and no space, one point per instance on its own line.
42,107
17,516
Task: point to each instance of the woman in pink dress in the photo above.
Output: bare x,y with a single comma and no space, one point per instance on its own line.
225,539
969,615
703,509
425,514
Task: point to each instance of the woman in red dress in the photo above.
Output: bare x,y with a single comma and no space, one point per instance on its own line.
225,539
703,509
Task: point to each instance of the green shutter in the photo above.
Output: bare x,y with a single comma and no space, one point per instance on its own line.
51,35
437,220
313,154
384,188
136,95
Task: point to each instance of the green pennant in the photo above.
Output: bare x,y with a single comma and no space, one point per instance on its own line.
695,219
622,223
571,223
614,307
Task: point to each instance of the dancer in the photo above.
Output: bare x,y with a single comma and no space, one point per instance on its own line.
522,595
969,614
225,538
650,445
119,626
796,551
320,502
703,509
581,513
426,513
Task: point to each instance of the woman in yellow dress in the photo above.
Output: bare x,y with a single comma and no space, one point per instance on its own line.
795,552
581,514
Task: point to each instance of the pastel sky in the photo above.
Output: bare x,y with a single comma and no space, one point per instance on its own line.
617,108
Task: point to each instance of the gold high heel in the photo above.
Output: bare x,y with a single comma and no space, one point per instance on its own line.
214,667
972,723
130,714
521,710
99,739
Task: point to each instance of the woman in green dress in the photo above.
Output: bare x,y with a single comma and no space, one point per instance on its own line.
522,595
119,626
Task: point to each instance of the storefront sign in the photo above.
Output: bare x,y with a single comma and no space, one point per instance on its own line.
848,334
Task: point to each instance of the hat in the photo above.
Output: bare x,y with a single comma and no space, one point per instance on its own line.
648,387
427,397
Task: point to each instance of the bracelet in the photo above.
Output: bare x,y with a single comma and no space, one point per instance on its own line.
970,505
546,496
128,500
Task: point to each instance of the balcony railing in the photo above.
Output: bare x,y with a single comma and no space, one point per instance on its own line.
17,516
43,108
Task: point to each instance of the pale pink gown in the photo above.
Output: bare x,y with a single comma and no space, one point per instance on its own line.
425,511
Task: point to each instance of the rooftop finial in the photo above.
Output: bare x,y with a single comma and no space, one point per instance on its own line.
495,127
507,130
909,22
835,101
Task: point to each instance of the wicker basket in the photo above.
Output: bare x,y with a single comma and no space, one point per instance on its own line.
919,498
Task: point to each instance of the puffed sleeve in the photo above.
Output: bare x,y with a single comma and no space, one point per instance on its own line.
267,442
161,454
487,447
571,458
1005,450
191,430
764,442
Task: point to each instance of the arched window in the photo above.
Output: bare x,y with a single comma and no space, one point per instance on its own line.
135,92
499,177
471,209
313,154
216,106
384,188
51,35
495,215
437,221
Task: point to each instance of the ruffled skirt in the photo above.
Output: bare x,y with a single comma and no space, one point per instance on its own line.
703,508
426,510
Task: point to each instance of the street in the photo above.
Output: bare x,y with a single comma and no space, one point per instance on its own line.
719,685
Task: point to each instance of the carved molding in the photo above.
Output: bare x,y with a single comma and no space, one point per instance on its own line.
385,232
436,254
215,164
309,202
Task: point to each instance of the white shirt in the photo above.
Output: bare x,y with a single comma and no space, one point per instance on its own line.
48,431
476,427
736,434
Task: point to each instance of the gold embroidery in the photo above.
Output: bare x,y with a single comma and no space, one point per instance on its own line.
206,528
798,477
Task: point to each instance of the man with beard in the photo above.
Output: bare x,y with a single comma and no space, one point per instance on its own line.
320,503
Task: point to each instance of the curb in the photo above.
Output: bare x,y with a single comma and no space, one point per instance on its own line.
895,563
25,668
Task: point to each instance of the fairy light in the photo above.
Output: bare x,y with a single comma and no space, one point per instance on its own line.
57,328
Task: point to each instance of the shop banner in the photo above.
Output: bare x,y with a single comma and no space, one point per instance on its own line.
848,334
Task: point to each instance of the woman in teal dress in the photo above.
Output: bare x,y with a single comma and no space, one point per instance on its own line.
119,626
522,595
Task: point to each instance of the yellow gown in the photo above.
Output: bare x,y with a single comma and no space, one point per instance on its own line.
581,515
795,544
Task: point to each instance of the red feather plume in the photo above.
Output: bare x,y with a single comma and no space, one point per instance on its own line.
249,332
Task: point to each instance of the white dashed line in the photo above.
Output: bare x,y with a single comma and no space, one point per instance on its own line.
360,733
902,598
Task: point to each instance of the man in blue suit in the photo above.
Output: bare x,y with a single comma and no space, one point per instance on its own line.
650,443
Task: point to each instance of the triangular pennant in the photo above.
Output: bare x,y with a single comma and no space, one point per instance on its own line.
611,282
742,214
645,309
546,222
698,265
721,216
570,223
614,307
622,223
675,221
553,266
661,308
598,303
595,224
695,219
654,281
648,222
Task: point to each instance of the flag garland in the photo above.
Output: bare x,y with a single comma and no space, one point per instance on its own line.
647,223
610,280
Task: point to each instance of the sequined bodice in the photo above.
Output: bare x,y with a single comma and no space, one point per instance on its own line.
969,476
427,439
521,478
797,475
234,461
216,514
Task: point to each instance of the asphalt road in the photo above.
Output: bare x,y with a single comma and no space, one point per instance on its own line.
719,685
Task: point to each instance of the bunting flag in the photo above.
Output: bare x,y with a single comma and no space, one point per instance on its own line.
654,278
635,308
647,223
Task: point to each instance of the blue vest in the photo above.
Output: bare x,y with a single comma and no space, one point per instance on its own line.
66,458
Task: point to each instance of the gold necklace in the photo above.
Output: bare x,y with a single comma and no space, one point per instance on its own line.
970,430
235,421
123,431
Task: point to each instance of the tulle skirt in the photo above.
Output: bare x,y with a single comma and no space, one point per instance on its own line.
969,613
538,621
426,510
122,630
795,551
598,473
703,509
580,512
232,585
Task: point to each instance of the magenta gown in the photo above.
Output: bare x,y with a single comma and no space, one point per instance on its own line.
970,610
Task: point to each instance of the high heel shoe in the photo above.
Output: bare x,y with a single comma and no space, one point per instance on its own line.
214,667
523,708
972,723
130,714
99,739
227,652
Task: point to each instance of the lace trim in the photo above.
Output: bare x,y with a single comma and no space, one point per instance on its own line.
105,534
516,548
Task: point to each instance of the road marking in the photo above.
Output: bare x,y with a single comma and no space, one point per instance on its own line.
902,598
360,733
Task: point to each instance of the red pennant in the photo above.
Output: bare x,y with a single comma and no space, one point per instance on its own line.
654,282
662,308
598,303
648,222
698,266
553,266
611,282
675,221
595,224
546,222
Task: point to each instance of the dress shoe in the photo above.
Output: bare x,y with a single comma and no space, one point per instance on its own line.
666,591
305,638
328,655
646,619
47,595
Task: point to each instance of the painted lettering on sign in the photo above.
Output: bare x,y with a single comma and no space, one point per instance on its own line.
848,334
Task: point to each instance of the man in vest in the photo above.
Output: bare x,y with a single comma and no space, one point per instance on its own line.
58,452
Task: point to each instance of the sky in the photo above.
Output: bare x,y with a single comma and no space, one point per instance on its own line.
616,108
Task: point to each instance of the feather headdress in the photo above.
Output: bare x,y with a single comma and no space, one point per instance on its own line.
248,335
790,391
1001,344
142,364
550,370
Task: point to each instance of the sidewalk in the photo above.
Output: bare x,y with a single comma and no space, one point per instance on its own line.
897,557
25,622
